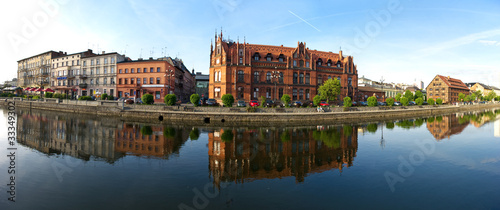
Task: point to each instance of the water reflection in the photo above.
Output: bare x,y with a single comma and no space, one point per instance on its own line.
239,155
445,126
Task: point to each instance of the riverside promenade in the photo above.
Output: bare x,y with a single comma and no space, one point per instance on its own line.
240,116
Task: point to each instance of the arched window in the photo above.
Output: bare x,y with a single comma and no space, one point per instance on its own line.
215,76
329,62
241,76
256,77
301,94
268,77
281,58
281,78
338,64
301,78
320,79
256,56
295,75
220,76
307,94
269,57
319,62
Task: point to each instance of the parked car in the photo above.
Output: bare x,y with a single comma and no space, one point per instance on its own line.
241,104
212,102
254,103
323,103
297,103
425,103
129,101
381,103
354,103
397,103
411,103
363,103
138,101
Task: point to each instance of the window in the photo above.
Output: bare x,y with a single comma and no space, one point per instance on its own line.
295,75
256,77
106,81
72,63
151,80
329,77
158,69
338,64
112,60
268,77
308,78
320,79
281,78
256,92
97,70
145,80
112,69
112,81
120,71
241,60
307,64
97,61
91,62
241,76
138,70
157,80
138,80
126,71
301,94
91,81
97,81
307,94
105,70
301,78
319,62
84,63
132,70
120,81
294,63
131,81
105,61
281,58
241,52
294,94
280,93
269,57
145,70
349,81
126,81
78,62
157,94
301,63
268,92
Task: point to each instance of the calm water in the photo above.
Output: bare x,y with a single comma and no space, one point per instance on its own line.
66,161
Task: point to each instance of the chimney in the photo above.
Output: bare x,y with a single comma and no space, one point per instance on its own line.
340,54
103,52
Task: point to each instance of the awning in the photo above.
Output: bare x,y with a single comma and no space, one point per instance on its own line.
49,90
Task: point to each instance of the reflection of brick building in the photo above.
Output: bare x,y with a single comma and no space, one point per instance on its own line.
248,71
446,126
132,140
80,138
269,154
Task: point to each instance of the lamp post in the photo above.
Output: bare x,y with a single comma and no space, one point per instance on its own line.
275,75
382,83
169,73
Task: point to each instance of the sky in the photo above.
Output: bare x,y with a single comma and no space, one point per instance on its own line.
400,41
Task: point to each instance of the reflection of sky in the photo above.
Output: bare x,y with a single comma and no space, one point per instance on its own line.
497,128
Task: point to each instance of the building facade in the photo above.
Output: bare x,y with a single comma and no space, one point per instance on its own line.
136,78
248,71
446,88
365,92
98,74
66,73
485,89
201,86
34,71
184,81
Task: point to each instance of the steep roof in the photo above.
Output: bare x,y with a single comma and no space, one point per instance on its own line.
453,83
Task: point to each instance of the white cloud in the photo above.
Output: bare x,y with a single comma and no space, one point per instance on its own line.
489,42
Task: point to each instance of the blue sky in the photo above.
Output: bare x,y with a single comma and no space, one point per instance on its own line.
399,40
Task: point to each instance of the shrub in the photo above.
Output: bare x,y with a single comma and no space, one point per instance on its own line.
389,101
404,101
49,95
146,130
347,102
398,97
195,133
227,100
110,98
285,136
195,99
430,101
85,98
262,101
104,96
64,96
10,95
372,101
439,101
372,128
147,99
57,95
169,132
286,99
170,99
251,109
419,101
36,97
316,100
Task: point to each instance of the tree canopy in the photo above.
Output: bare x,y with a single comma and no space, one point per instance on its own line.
329,90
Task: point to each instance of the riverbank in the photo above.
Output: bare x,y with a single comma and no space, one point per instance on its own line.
238,116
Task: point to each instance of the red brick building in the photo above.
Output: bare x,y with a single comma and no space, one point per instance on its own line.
365,92
446,88
136,78
248,71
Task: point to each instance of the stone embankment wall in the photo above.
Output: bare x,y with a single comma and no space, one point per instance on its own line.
239,116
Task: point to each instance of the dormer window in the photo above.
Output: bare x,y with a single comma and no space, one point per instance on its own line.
269,57
329,63
319,62
338,64
256,56
281,58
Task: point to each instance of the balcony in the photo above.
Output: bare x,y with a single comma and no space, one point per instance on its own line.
83,76
83,85
71,76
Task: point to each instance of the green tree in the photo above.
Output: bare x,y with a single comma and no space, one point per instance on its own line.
146,130
262,101
104,96
419,101
285,136
408,95
419,94
389,101
398,97
439,101
389,125
286,100
347,102
48,95
491,95
58,95
372,128
372,101
110,98
316,100
329,90
195,99
227,136
404,101
147,99
227,100
170,99
194,134
461,97
430,101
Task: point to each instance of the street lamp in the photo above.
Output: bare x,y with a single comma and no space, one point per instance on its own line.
275,75
382,83
169,73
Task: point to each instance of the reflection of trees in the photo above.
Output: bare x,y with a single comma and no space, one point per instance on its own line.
372,128
194,134
279,152
389,125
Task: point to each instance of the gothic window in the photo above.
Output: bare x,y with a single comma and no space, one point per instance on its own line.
241,76
295,75
256,77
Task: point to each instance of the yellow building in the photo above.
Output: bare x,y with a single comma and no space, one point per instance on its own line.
34,71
